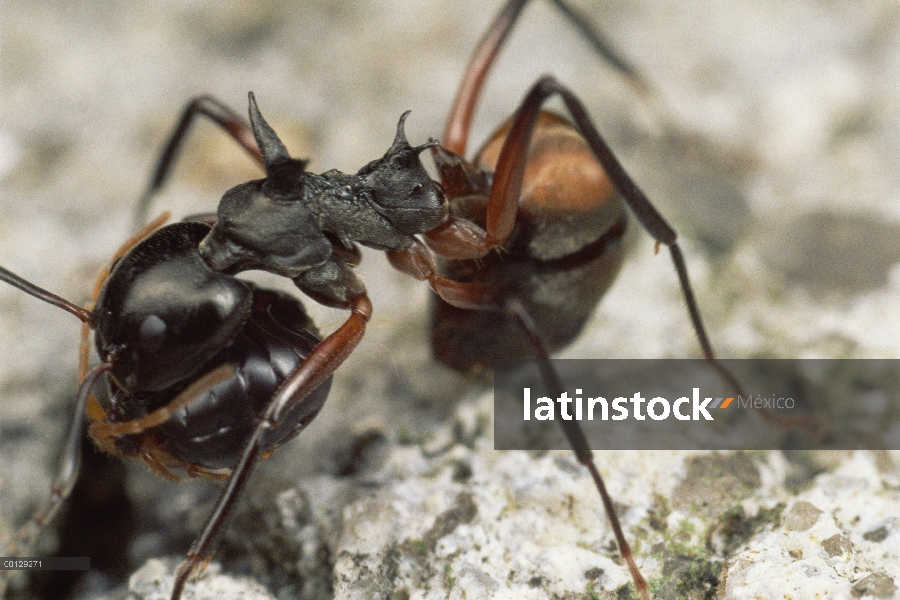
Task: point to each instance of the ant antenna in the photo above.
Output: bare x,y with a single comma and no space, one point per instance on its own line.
42,294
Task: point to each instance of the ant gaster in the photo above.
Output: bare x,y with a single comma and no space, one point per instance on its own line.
193,358
223,351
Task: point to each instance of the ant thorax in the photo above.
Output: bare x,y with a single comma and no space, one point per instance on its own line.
279,224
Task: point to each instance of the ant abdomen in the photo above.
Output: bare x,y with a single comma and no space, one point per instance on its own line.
212,429
196,357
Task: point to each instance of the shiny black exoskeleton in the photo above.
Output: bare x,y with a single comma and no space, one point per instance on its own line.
169,318
281,224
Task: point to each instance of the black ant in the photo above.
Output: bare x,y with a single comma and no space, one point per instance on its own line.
188,352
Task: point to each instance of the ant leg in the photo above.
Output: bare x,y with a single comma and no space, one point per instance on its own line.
458,239
67,474
459,122
575,435
508,181
602,46
104,432
419,262
320,364
205,106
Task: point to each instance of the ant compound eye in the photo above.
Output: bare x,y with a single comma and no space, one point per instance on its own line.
152,333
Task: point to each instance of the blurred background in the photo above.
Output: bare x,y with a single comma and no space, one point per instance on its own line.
769,138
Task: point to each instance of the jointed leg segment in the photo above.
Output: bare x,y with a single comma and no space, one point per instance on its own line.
320,364
206,106
456,242
67,474
577,440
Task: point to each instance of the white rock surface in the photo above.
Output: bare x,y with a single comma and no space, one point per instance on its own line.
839,539
153,581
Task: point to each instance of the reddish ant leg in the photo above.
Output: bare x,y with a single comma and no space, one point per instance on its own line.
321,363
418,262
458,239
459,123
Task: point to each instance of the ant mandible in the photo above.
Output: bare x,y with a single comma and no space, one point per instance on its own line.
162,353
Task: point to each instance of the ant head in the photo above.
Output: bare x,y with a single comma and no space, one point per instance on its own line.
164,313
258,229
401,189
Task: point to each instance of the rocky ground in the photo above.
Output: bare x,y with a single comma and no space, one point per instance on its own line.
770,142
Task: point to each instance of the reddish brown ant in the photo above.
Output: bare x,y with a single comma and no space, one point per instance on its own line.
408,204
